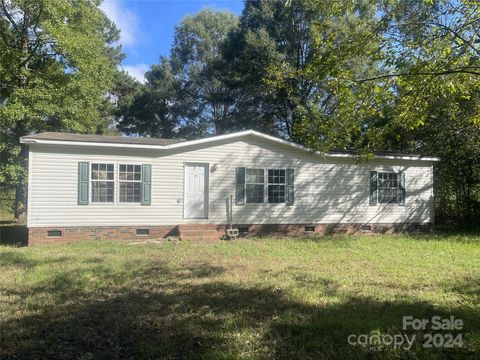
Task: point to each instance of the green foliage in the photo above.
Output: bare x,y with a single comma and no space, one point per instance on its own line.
403,75
7,197
204,102
150,109
448,133
273,52
186,95
431,73
57,62
430,53
309,49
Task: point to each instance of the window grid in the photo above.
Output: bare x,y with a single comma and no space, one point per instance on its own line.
276,185
103,182
254,186
388,188
129,180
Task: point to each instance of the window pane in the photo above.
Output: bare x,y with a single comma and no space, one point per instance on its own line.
254,176
276,186
276,194
276,176
130,177
102,191
386,195
255,193
102,176
254,185
130,172
102,172
129,192
387,187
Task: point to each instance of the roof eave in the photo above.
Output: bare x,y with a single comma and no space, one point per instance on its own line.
26,140
87,143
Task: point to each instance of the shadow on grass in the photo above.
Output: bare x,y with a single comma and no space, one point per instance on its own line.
456,233
13,235
12,258
462,235
192,313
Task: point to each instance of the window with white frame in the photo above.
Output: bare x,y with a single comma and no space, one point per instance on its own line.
103,182
130,182
254,185
276,185
388,188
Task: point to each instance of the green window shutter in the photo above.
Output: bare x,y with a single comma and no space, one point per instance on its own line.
146,184
240,188
401,188
373,188
290,188
83,181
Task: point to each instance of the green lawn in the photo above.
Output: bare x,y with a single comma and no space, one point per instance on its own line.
265,298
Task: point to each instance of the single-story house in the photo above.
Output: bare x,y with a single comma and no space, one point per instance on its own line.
114,187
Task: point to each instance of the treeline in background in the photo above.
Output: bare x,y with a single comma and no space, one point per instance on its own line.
368,75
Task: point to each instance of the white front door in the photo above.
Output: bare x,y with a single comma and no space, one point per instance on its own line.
196,191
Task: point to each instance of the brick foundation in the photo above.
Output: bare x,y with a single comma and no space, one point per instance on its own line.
326,229
38,235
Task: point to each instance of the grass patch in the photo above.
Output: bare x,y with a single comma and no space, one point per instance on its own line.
264,298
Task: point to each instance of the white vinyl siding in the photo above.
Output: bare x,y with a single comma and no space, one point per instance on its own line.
326,190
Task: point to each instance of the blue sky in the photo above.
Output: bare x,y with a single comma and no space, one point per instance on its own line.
147,26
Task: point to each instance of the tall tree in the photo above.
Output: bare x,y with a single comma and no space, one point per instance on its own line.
57,63
307,46
432,63
151,109
429,49
206,101
186,94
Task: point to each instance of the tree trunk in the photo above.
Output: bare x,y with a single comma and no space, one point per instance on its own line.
20,206
20,210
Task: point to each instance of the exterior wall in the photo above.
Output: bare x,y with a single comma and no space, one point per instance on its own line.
326,191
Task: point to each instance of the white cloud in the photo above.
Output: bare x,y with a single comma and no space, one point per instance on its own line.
126,20
137,71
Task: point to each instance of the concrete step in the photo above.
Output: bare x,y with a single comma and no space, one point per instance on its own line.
197,227
198,233
202,238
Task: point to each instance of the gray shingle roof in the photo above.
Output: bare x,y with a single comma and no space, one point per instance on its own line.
101,138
